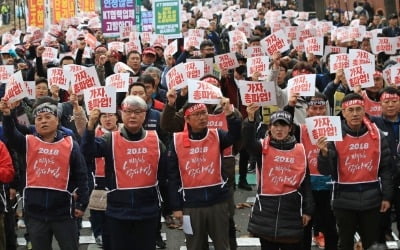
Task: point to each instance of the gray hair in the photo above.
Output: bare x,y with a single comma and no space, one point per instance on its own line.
152,69
135,101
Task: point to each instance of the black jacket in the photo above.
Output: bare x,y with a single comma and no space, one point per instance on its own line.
278,218
362,196
129,204
48,204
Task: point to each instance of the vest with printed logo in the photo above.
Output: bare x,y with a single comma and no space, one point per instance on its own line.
282,171
312,151
100,162
136,162
219,121
358,158
371,107
48,163
199,164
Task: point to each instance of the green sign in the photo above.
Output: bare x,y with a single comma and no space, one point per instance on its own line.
167,19
138,15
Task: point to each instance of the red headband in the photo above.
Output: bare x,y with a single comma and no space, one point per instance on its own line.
196,107
211,80
298,72
377,74
352,103
388,96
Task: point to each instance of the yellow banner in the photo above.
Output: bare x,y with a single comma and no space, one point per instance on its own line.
36,13
86,5
63,9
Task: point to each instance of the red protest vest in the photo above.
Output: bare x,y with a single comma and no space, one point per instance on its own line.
219,121
282,171
136,162
199,164
47,164
312,151
358,158
100,162
371,107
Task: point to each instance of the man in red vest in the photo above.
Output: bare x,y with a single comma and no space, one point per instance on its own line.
194,167
133,165
56,191
361,168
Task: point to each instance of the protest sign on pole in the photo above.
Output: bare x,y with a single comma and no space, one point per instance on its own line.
338,61
5,72
314,45
361,75
226,61
119,81
84,79
62,9
115,15
102,98
304,85
176,77
275,42
324,126
15,88
258,64
31,88
384,44
359,57
203,92
194,69
167,18
36,13
56,77
260,93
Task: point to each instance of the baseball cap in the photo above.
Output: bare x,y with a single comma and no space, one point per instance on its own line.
149,51
393,16
158,45
284,116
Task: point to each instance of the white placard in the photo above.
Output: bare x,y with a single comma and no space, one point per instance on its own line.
261,93
203,92
302,84
324,126
102,98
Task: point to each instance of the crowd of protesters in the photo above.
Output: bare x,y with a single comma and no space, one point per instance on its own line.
158,155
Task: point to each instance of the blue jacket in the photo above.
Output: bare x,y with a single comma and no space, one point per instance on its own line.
48,204
130,204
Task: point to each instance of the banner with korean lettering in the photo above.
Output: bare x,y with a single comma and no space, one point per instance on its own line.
56,77
5,72
395,74
119,81
304,85
254,51
258,64
116,14
192,41
171,49
314,45
261,93
194,69
277,41
62,9
324,126
36,13
49,54
208,64
384,44
338,61
203,92
15,88
102,98
86,5
359,57
361,75
167,18
84,79
31,89
226,61
176,77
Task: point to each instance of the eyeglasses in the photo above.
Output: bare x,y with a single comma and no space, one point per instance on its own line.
134,111
199,114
